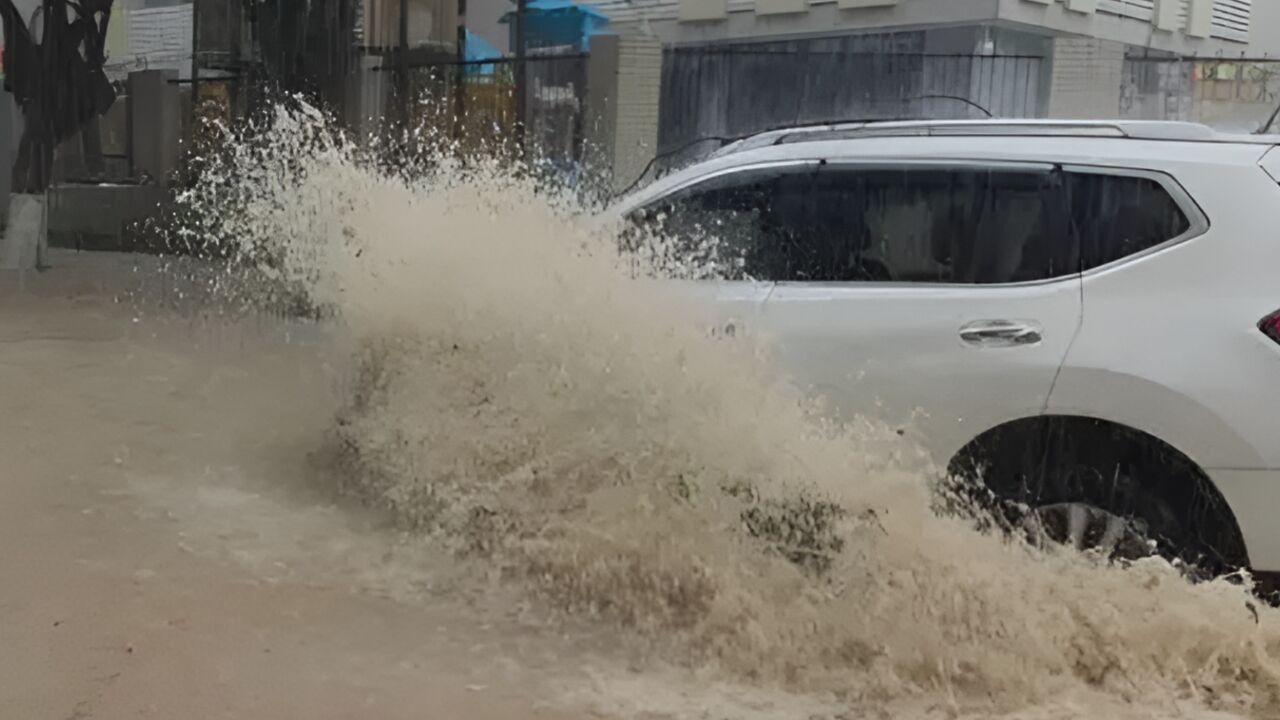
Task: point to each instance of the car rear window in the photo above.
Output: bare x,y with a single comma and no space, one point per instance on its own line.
1117,216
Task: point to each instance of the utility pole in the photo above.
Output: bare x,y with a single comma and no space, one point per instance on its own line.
522,76
195,65
402,67
460,73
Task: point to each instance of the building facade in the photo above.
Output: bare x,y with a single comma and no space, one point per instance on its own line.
738,66
1185,27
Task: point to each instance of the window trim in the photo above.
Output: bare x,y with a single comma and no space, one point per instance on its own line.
1198,222
891,164
714,174
814,164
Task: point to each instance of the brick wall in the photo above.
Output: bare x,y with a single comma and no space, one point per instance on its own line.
639,87
624,79
161,35
1086,79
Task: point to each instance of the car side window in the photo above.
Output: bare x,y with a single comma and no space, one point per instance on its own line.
1116,216
748,222
971,226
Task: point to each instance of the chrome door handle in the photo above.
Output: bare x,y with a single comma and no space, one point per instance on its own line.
1001,333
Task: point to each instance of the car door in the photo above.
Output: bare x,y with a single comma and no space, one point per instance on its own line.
938,297
725,225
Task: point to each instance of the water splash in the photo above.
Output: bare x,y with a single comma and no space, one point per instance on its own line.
519,393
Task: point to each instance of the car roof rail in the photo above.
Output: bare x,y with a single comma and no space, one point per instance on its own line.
771,135
1132,129
956,128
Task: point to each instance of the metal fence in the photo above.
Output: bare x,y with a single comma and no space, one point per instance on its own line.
487,116
729,91
1227,94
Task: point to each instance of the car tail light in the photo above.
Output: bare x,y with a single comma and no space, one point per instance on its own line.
1270,326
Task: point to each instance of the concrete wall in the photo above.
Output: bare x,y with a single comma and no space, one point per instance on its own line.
483,17
821,18
740,19
98,217
1264,36
431,22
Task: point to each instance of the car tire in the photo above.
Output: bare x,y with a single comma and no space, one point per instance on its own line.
1101,488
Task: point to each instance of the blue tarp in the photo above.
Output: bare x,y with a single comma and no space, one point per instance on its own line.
558,23
550,5
477,48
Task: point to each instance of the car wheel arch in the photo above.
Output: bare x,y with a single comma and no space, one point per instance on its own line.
1124,443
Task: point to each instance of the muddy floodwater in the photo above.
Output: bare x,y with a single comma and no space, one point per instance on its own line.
500,474
173,551
164,559
173,548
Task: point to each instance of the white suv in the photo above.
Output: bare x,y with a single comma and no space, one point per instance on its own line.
1081,314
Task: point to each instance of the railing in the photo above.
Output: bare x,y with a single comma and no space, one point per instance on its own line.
555,98
1228,94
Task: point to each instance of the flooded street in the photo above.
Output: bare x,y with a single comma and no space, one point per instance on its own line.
687,360
172,553
152,573
502,477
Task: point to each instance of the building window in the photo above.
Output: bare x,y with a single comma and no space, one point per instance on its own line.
1223,19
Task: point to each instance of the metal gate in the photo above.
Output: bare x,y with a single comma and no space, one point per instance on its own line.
485,112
